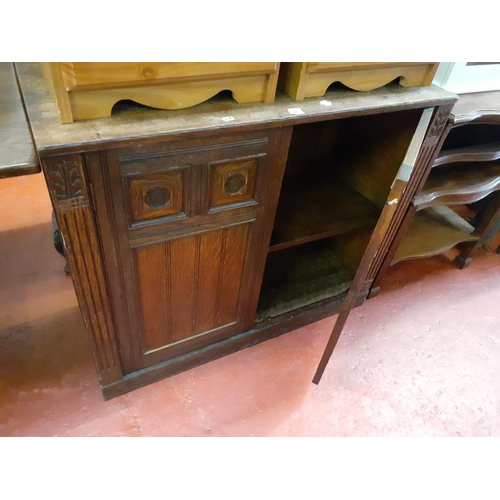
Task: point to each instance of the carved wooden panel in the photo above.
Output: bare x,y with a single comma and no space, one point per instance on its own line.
156,195
65,180
190,286
440,120
233,181
184,281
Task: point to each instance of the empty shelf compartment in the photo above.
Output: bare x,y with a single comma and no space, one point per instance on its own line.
300,276
312,207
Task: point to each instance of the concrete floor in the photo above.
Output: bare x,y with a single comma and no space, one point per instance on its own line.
421,359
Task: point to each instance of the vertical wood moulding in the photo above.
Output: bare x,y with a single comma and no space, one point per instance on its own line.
277,157
101,322
99,175
196,280
199,204
65,178
210,264
168,265
221,274
235,256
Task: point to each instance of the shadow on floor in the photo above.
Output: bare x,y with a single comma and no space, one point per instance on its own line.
28,256
42,353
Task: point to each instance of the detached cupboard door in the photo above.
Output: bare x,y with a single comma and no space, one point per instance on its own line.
185,227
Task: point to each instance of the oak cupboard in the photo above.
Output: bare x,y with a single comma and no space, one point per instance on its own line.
190,235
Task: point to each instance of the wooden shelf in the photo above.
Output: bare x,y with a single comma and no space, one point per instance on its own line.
433,231
460,184
300,276
481,107
481,152
315,207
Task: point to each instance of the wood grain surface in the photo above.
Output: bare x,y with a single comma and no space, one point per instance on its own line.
478,107
433,231
142,125
177,209
461,184
312,79
17,151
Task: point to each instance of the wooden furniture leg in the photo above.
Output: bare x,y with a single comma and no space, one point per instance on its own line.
487,227
59,243
493,231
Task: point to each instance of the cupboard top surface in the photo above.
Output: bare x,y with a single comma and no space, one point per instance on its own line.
143,124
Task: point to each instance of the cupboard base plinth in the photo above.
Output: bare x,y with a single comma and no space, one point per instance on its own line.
261,332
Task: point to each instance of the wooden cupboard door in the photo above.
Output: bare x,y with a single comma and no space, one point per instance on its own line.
185,228
190,286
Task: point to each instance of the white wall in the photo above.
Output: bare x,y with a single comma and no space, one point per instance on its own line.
462,79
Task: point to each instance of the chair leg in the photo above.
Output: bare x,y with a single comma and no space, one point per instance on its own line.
487,226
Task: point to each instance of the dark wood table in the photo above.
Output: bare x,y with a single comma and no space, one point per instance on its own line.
17,152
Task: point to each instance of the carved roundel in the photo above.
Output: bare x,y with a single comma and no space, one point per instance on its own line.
157,197
235,183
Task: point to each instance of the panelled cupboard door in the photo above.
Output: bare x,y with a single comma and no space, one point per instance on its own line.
185,230
190,286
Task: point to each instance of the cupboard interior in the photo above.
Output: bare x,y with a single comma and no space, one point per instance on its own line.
337,179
